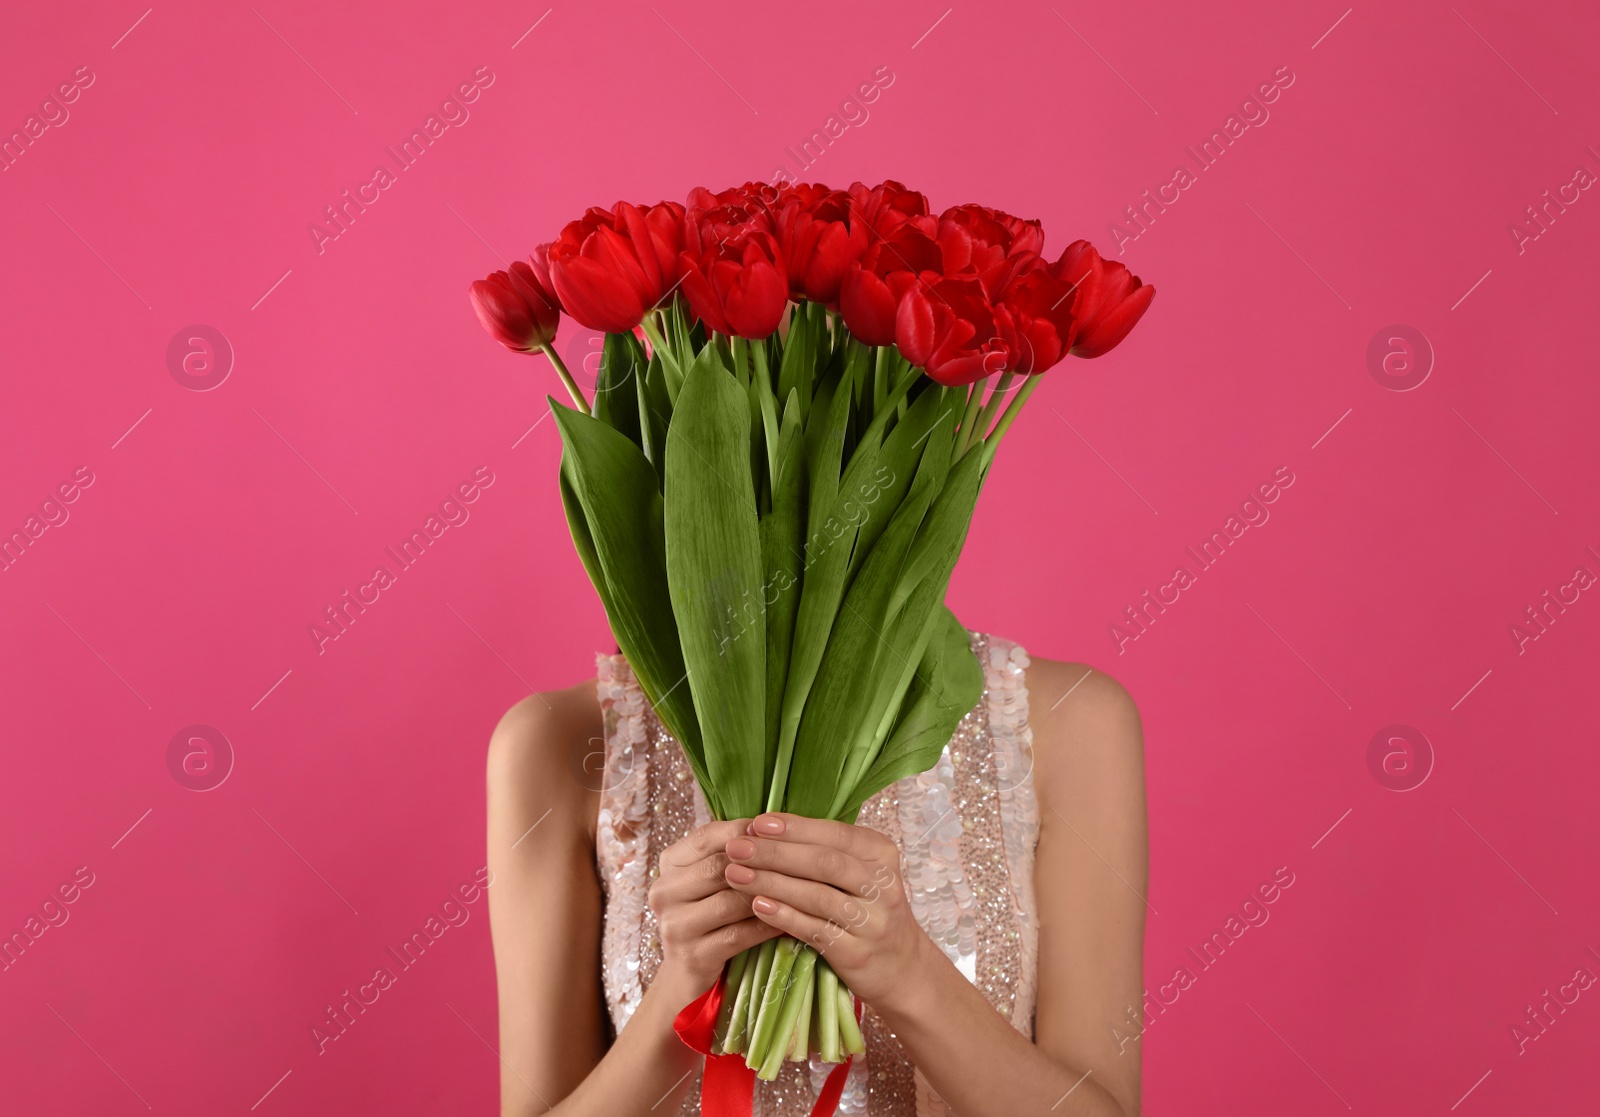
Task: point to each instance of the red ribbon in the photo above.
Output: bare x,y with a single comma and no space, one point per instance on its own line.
727,1089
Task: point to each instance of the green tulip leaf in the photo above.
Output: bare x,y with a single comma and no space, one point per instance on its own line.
615,392
616,515
947,684
714,577
782,556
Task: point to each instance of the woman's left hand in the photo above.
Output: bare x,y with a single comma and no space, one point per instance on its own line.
836,887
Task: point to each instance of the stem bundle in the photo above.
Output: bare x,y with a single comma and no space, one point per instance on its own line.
783,1001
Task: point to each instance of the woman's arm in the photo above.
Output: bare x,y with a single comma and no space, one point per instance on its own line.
823,882
545,916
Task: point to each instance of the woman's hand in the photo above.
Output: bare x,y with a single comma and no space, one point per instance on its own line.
836,887
702,922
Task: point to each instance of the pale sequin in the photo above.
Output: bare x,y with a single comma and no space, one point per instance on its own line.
966,829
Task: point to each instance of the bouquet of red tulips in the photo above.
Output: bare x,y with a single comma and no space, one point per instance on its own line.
800,393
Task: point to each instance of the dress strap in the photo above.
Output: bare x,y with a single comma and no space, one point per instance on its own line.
1005,670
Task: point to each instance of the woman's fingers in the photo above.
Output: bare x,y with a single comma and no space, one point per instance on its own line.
703,842
860,842
727,941
692,868
691,882
702,917
792,921
823,901
823,863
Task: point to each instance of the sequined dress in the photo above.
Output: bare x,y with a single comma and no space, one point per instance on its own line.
966,828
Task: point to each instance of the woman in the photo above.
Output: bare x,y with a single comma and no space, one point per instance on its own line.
1000,968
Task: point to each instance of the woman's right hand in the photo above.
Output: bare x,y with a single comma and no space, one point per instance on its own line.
702,922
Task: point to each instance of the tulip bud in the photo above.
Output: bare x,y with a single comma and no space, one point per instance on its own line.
1113,299
515,307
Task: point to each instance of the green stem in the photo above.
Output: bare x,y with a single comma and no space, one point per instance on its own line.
969,417
849,1030
800,1045
828,1013
992,443
765,1033
768,403
816,1012
797,979
566,377
758,352
733,980
859,357
750,990
669,360
996,398
880,378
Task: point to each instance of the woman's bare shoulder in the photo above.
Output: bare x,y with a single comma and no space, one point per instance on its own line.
548,754
1088,743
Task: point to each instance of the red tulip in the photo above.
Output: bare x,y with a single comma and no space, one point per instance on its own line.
988,242
1042,306
541,268
869,302
517,308
953,332
887,206
715,216
821,234
902,249
736,285
1114,298
873,288
803,194
612,266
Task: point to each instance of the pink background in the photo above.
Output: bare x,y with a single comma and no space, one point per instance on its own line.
220,524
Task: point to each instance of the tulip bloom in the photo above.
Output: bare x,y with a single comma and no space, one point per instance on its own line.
611,267
736,285
953,331
518,310
887,206
1042,307
987,242
521,312
717,216
1115,298
821,235
872,290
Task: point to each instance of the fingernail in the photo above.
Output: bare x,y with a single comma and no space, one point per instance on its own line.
741,874
768,824
741,849
764,906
